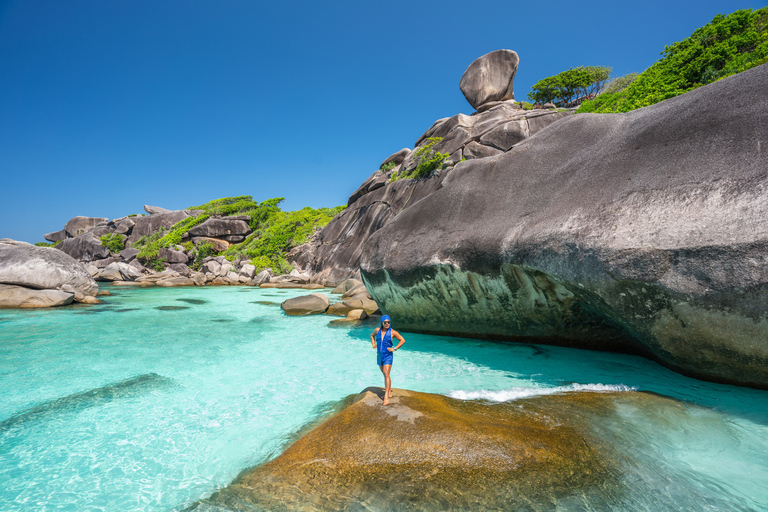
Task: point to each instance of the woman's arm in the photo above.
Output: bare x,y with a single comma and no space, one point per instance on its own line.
373,337
397,335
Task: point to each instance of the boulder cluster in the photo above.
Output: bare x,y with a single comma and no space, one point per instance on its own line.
355,304
32,276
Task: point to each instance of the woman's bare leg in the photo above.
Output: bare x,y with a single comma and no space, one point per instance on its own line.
387,382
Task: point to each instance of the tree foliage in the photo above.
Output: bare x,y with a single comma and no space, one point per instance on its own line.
563,88
725,46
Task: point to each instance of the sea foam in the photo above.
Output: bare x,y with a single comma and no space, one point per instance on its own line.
507,395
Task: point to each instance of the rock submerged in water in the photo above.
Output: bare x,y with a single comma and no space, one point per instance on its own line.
642,232
312,304
431,452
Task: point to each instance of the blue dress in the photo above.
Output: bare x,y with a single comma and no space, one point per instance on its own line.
383,356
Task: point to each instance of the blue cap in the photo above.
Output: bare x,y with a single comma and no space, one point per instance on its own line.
385,317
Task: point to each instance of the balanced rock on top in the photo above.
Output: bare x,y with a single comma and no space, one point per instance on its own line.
489,78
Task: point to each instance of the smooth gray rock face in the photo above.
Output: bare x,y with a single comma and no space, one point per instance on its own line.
377,180
181,269
490,77
106,262
78,225
396,158
220,227
643,232
172,256
155,209
148,224
123,226
334,255
21,297
119,271
262,277
248,271
56,236
313,304
128,255
26,265
84,247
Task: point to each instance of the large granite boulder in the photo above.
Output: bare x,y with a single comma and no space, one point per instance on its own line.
642,232
431,452
22,297
148,224
43,268
78,225
489,78
119,271
220,228
56,236
84,247
313,304
152,210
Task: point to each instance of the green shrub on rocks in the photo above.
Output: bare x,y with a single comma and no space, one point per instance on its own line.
725,46
429,161
203,250
114,242
281,232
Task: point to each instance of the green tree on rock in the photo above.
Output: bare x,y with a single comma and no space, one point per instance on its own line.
725,46
570,85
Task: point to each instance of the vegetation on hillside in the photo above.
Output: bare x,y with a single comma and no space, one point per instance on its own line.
275,232
114,242
725,46
429,161
572,84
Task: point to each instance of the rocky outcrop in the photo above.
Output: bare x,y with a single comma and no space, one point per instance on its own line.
148,224
219,228
79,225
643,232
334,254
489,78
41,270
152,210
84,247
431,452
56,236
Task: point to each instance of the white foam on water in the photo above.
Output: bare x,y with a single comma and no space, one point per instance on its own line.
507,395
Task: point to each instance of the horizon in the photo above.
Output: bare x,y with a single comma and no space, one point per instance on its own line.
108,107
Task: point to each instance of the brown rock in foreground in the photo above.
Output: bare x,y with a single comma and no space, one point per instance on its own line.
431,452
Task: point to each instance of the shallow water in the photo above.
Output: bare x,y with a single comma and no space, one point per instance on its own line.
161,396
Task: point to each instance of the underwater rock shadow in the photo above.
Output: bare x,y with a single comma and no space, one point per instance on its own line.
127,388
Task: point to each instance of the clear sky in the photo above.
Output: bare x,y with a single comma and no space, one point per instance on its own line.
109,105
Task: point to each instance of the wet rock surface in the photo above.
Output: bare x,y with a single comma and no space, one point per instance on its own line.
642,232
431,452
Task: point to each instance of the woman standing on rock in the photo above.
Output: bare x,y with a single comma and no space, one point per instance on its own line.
381,340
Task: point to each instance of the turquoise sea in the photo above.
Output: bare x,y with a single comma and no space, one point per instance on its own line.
161,396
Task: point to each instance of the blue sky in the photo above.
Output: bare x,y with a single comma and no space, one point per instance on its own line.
109,105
